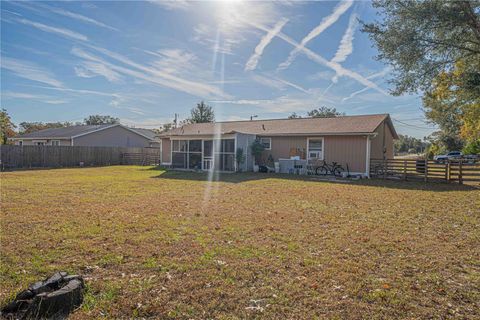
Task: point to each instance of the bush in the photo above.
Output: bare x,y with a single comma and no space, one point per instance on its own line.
472,147
433,150
257,148
239,157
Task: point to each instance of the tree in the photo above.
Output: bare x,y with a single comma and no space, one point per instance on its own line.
28,127
407,144
99,119
166,127
455,107
421,39
7,128
294,115
324,112
201,113
472,147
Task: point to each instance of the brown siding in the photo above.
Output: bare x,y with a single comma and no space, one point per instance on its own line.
112,137
281,147
389,143
351,150
383,139
166,148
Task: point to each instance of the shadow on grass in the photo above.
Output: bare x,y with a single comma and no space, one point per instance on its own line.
251,176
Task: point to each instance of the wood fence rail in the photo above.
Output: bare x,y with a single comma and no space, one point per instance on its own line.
74,156
459,171
138,158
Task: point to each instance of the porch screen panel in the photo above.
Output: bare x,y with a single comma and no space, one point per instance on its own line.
195,146
179,160
187,154
195,154
227,162
225,157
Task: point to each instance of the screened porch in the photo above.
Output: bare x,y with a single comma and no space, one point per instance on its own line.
204,154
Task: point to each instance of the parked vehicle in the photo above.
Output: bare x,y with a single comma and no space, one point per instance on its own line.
471,158
451,156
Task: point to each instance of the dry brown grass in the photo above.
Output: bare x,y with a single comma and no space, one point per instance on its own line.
157,244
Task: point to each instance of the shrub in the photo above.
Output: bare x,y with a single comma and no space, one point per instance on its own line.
472,147
257,148
240,157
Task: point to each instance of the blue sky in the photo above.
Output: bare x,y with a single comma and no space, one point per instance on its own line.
145,61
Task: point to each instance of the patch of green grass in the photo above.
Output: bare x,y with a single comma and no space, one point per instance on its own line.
110,259
150,263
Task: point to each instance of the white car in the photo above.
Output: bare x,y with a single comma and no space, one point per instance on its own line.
453,155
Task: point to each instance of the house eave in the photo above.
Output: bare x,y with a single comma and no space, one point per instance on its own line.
41,138
303,134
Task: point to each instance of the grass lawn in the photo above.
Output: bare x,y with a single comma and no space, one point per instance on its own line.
162,244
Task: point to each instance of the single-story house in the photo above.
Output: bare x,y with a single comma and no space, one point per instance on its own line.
103,135
347,140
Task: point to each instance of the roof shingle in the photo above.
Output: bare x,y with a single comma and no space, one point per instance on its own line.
69,132
361,124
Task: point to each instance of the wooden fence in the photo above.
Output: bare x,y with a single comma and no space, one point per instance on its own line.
459,171
74,156
141,158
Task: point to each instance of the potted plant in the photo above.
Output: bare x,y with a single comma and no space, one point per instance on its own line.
256,148
240,158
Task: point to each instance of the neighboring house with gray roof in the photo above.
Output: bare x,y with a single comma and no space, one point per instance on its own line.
104,135
347,140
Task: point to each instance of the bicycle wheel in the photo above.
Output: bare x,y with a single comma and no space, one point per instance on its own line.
321,171
337,171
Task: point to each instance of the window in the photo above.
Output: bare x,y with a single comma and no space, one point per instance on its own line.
38,143
267,143
55,142
315,148
20,142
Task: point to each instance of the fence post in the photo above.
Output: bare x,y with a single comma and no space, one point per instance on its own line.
405,170
460,175
384,169
426,170
447,171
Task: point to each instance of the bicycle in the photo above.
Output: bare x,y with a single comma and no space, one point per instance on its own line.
334,169
378,170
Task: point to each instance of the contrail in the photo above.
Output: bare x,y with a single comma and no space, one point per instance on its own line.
253,61
324,24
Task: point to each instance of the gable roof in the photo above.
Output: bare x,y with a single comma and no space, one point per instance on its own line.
150,134
76,131
344,125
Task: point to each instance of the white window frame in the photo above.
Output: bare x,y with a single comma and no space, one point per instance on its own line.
322,157
269,143
57,141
